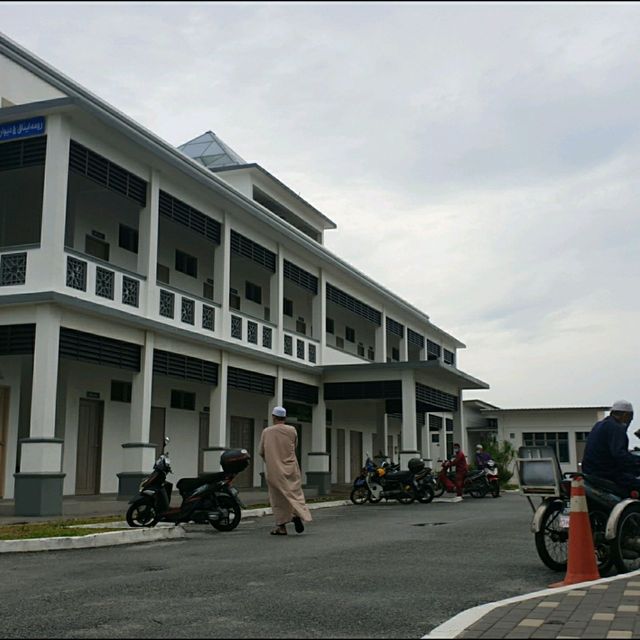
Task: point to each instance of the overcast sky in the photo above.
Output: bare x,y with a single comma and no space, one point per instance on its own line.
481,160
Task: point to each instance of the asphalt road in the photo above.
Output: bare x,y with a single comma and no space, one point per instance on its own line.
384,570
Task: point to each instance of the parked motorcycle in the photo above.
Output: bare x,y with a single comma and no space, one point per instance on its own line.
377,482
477,483
210,498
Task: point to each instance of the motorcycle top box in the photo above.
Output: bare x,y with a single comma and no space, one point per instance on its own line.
235,460
415,465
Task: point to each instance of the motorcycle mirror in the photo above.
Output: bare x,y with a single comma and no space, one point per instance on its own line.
166,440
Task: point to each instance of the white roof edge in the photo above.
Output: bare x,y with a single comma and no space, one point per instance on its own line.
590,408
56,78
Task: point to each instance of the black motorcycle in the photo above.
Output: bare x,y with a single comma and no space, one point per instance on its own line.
209,498
614,517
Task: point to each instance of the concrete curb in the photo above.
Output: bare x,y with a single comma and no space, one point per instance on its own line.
456,625
162,531
111,538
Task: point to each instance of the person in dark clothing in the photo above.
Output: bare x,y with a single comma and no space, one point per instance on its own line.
482,457
607,454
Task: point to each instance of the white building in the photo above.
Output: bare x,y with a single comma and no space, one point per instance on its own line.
144,292
565,429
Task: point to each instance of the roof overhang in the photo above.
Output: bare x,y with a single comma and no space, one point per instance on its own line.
445,372
533,409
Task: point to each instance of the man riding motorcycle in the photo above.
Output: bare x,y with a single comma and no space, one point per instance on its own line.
482,457
607,452
459,461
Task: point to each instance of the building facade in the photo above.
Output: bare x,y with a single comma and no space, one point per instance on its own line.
564,429
147,291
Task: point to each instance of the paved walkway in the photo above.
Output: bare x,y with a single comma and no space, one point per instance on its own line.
606,608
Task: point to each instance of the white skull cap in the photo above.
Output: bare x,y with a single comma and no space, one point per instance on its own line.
279,412
622,405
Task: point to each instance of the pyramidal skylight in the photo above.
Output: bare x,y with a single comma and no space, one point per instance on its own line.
210,151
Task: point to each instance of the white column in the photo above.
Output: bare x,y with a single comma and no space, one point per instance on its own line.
276,399
139,453
222,277
318,459
277,302
54,202
218,403
320,315
381,341
404,347
148,232
409,419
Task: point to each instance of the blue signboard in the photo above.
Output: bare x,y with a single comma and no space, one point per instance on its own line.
21,128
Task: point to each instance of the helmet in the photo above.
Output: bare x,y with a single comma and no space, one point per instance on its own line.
415,465
381,472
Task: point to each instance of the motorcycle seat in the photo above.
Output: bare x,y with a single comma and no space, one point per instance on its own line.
187,485
399,476
603,483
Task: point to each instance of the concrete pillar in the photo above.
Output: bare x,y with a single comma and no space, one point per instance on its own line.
148,231
318,474
319,315
39,483
54,202
222,278
277,303
218,403
139,454
409,446
381,340
404,347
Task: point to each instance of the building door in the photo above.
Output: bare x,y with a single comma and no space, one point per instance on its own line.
203,440
89,453
356,453
241,437
4,429
340,478
157,428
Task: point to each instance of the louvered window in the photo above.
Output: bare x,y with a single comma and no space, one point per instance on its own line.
349,302
435,422
395,327
436,398
301,277
252,250
250,381
17,339
433,350
23,153
363,390
299,392
108,174
87,347
449,357
182,213
415,338
176,365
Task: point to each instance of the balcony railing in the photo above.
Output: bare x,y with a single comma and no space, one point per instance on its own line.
13,265
252,331
298,348
105,283
186,310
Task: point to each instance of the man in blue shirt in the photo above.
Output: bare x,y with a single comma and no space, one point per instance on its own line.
607,452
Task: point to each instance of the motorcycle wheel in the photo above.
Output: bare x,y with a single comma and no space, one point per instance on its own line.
360,495
142,513
439,489
425,496
495,490
552,541
232,519
602,548
625,547
409,495
478,490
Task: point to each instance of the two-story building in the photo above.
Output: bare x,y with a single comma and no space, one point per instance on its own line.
147,290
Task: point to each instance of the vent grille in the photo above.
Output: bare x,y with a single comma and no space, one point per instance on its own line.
87,347
17,339
23,153
415,338
349,302
250,381
435,422
449,357
301,277
299,392
395,327
175,365
108,174
433,349
180,212
435,398
363,390
252,250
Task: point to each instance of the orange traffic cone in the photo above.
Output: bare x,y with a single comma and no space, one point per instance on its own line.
581,565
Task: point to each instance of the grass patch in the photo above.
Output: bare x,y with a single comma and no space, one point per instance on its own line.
46,530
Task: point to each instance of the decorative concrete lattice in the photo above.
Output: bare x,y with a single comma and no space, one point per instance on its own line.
252,332
76,273
300,349
13,269
104,283
312,353
167,303
236,327
130,291
208,317
288,345
267,337
188,311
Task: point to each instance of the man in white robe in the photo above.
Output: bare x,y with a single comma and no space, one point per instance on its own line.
278,450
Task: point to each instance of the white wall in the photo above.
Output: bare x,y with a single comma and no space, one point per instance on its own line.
21,86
